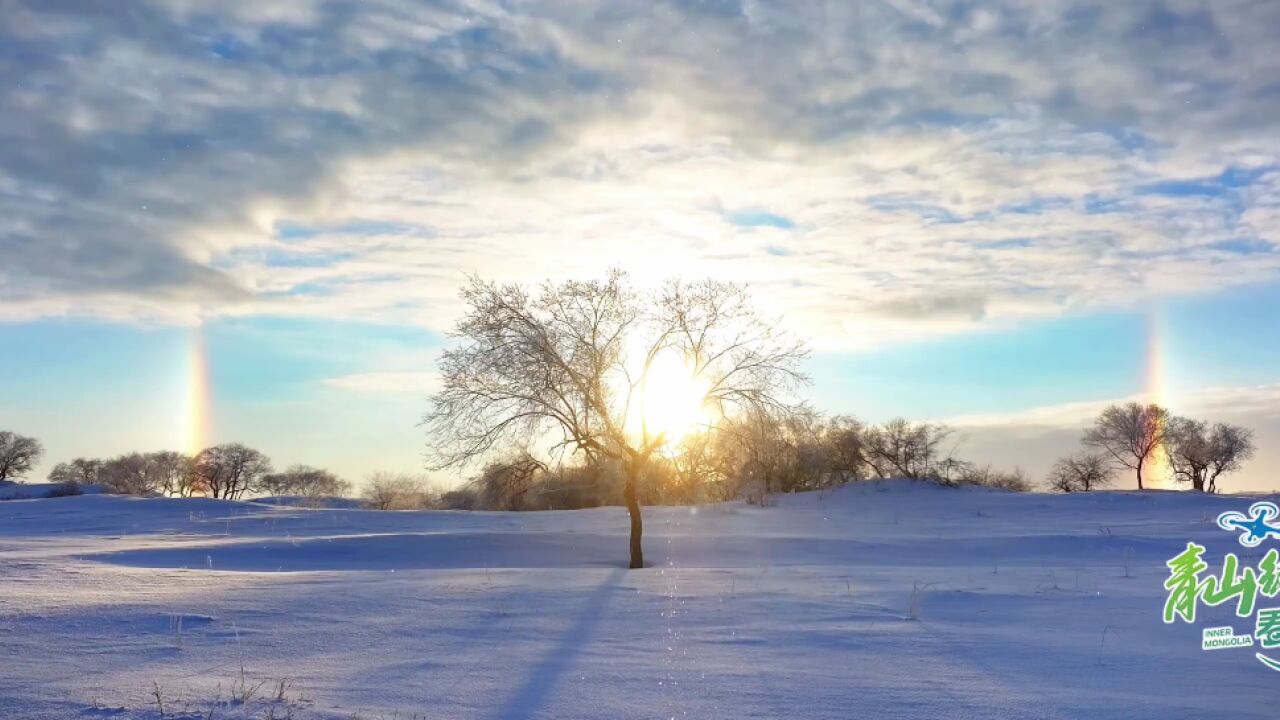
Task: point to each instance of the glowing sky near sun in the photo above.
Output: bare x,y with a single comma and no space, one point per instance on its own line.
1004,214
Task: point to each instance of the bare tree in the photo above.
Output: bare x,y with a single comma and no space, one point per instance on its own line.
1187,447
304,481
575,360
774,450
1081,472
1229,447
697,469
571,486
460,499
988,477
81,471
899,448
174,472
757,451
229,471
398,491
1130,433
381,491
808,458
129,474
18,454
847,447
1199,454
503,485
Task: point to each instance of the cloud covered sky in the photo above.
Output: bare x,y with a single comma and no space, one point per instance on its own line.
1001,180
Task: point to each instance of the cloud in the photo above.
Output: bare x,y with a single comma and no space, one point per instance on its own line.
971,306
1217,403
140,147
886,169
398,382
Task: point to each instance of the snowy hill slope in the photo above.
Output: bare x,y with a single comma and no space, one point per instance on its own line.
887,600
28,491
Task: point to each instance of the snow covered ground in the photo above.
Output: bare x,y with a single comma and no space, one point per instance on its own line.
27,491
883,600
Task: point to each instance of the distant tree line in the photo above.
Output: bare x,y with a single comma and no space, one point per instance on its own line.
760,454
1137,437
753,457
224,471
229,471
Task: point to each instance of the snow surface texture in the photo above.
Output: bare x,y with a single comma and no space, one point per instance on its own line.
880,600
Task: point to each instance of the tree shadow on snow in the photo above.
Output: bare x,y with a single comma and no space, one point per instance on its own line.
532,695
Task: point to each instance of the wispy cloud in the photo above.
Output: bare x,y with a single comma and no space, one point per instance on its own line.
886,169
396,382
1217,403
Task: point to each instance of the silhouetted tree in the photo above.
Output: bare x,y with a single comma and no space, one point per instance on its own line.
304,481
570,486
774,450
846,447
1200,454
1131,433
899,448
129,474
502,485
696,469
81,471
398,491
967,473
806,452
757,451
460,499
576,357
18,454
380,491
174,473
1081,472
229,471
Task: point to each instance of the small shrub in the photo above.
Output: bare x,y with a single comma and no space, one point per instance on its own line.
66,489
399,491
459,500
1014,481
1081,472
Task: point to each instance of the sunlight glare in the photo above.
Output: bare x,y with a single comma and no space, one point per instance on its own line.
673,401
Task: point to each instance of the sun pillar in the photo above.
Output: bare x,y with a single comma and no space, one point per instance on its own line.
1156,472
198,403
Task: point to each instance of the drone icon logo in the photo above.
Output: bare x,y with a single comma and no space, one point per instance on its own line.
1256,526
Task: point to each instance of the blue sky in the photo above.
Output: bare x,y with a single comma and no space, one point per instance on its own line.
980,213
95,388
309,390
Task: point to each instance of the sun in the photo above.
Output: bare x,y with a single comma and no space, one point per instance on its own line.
672,402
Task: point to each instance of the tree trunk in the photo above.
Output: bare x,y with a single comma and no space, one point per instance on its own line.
633,509
1197,482
1139,475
